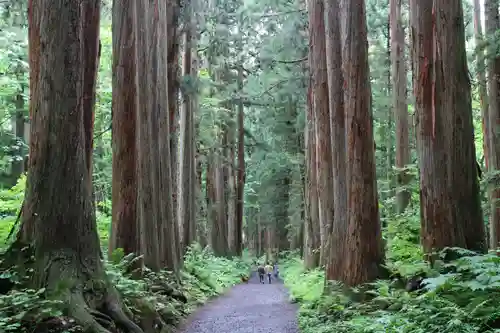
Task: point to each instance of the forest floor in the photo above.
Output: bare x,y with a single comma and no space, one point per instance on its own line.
247,308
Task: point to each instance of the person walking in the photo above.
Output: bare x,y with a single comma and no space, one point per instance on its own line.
269,271
261,270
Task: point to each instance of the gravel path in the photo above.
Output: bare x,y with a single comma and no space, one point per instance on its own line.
247,308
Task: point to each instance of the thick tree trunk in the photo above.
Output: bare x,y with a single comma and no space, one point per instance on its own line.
173,8
322,123
450,207
146,192
170,257
364,249
60,180
186,180
337,125
125,231
492,25
399,103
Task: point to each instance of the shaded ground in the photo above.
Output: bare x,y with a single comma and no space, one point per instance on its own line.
247,308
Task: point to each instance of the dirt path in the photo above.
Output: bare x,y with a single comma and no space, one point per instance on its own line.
247,308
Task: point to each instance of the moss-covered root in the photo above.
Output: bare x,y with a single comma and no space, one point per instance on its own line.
92,320
90,300
114,309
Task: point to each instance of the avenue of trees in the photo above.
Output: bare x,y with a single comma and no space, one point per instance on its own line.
144,127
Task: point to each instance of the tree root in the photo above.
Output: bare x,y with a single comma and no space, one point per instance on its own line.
90,299
99,320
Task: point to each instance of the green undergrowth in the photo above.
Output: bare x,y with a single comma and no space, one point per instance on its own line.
152,297
463,297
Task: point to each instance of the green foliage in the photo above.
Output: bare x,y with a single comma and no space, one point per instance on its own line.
147,294
19,308
466,299
12,199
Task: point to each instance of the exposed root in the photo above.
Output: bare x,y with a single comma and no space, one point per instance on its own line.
101,320
115,310
91,301
78,309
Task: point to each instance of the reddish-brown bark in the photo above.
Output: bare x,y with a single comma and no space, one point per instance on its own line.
59,188
27,226
450,208
492,25
125,231
364,249
322,115
337,235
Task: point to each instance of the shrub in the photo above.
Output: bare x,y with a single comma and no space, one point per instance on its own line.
154,297
464,300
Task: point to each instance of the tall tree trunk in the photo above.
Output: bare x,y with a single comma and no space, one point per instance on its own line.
211,198
60,179
219,222
34,14
399,103
337,125
364,249
322,116
170,257
173,9
186,180
125,231
230,185
492,25
448,176
312,239
194,184
220,190
146,194
481,78
238,233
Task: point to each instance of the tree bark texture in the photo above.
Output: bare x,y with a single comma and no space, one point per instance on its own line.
34,14
170,256
364,249
337,125
173,12
125,230
399,103
492,24
186,180
59,190
159,234
322,115
449,190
